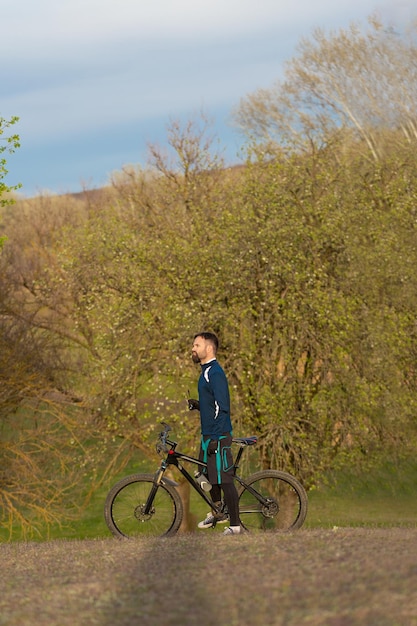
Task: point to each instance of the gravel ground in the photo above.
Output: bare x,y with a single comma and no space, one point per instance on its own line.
339,577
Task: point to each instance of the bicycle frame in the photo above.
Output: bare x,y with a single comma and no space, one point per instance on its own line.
173,458
268,499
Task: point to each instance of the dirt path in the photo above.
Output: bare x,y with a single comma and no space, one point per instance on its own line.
341,577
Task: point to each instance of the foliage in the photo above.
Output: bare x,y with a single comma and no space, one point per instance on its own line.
8,144
327,329
297,264
42,456
302,261
45,464
355,81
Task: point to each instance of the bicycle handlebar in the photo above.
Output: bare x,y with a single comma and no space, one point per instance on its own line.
161,446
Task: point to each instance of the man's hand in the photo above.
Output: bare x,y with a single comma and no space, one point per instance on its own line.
212,447
193,404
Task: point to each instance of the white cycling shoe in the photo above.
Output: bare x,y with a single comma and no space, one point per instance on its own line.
211,519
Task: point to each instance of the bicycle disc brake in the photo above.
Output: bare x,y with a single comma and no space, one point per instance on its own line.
140,514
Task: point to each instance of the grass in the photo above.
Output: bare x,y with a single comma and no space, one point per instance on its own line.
382,498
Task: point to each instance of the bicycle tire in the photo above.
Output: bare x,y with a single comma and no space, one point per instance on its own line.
287,508
123,508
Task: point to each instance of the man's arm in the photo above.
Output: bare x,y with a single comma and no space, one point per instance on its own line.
220,388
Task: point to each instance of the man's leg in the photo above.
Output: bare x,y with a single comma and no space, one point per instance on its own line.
231,500
212,517
231,497
215,493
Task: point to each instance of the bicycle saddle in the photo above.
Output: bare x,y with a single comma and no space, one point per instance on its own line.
245,441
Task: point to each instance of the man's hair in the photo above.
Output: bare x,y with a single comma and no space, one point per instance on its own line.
211,337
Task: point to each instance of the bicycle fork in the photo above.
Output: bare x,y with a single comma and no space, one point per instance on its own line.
157,481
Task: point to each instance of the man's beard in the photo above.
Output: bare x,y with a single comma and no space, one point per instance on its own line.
195,357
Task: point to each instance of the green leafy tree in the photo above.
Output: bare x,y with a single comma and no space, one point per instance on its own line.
320,309
8,144
302,262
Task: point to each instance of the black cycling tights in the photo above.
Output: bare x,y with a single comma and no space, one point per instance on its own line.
231,500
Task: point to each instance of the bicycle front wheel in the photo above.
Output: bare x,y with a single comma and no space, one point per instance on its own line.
124,509
272,500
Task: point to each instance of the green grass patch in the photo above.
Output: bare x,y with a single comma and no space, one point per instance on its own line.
381,497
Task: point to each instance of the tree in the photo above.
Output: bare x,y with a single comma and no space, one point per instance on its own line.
325,333
9,144
361,83
298,261
43,458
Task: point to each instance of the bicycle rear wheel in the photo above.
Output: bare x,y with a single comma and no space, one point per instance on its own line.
125,505
283,505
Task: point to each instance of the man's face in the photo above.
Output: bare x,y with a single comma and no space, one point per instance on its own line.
199,350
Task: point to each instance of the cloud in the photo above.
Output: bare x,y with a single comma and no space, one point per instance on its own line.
70,24
75,70
77,88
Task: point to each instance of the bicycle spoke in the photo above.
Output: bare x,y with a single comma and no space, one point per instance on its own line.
281,504
126,504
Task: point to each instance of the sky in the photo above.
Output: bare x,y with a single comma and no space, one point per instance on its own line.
95,81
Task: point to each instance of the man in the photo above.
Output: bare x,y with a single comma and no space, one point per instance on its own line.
216,430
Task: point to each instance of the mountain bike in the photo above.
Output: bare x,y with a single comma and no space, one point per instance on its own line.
150,505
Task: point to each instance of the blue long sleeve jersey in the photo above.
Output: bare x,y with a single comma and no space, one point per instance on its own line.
213,395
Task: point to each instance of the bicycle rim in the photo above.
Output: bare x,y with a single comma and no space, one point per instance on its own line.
125,508
284,507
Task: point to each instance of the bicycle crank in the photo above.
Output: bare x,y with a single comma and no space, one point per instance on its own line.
270,509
